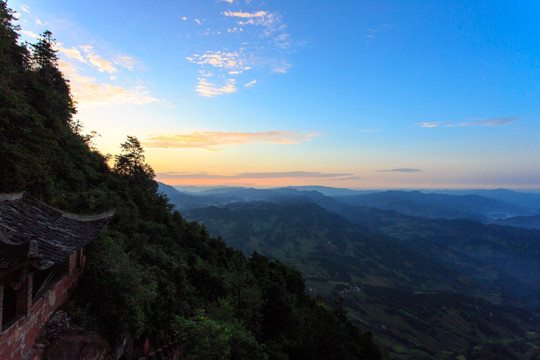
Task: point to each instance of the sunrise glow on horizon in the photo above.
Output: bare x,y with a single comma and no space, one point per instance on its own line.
356,94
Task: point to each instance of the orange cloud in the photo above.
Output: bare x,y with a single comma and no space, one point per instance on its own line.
72,53
210,140
101,64
258,179
30,34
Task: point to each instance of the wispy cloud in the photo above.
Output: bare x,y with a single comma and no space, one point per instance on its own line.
211,140
256,175
208,89
371,33
401,170
72,53
101,64
487,122
271,23
126,61
430,124
79,61
30,34
95,60
222,79
246,15
88,91
474,122
251,83
281,67
25,8
257,40
220,59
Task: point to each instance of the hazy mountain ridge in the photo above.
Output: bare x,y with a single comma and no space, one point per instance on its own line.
486,206
526,199
433,205
528,222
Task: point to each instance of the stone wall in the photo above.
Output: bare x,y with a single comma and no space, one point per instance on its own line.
16,341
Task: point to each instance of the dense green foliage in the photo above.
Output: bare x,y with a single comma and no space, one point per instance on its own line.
152,274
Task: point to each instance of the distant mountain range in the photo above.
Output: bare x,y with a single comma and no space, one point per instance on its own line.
433,205
486,206
429,287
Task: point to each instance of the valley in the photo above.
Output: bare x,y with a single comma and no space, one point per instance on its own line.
426,287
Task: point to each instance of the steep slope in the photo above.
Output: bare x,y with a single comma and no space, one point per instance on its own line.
325,246
413,303
442,325
504,259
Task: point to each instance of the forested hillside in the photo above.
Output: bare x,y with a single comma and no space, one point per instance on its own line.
152,275
417,300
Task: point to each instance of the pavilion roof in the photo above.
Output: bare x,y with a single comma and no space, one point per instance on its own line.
32,231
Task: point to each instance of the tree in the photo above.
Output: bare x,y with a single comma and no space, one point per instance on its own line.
51,94
12,55
131,163
44,54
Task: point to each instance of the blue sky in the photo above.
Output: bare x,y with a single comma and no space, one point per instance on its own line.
360,94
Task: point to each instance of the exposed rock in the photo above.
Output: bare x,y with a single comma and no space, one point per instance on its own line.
61,339
77,347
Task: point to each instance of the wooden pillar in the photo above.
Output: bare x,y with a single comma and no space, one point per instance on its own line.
72,263
80,258
24,297
1,304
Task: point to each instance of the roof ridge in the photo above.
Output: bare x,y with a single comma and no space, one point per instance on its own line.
54,211
11,196
100,216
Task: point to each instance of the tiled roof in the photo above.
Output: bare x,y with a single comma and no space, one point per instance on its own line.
31,230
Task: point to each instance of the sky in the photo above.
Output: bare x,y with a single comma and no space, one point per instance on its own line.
368,94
